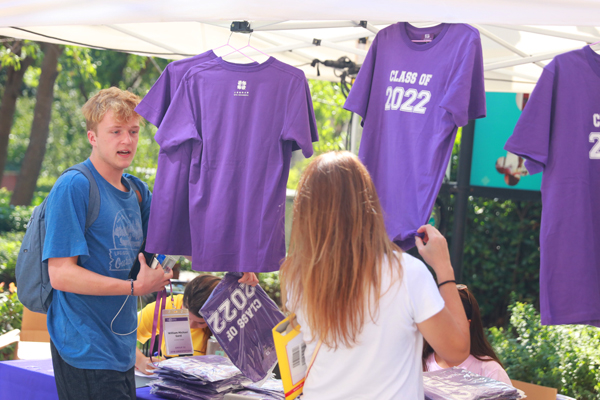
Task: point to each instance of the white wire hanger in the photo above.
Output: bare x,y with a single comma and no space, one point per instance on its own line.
235,50
249,46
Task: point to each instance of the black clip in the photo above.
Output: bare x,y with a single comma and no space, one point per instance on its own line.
241,27
362,40
317,42
363,24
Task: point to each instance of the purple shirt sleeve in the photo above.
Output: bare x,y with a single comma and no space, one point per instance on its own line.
180,123
169,231
531,137
155,104
358,99
300,126
465,98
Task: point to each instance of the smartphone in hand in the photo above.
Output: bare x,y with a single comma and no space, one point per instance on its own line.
135,268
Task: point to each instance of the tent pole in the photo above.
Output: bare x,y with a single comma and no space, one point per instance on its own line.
504,43
549,32
462,199
354,134
522,61
515,74
330,43
298,54
368,26
273,50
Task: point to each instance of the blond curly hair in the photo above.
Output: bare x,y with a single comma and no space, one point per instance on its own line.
121,102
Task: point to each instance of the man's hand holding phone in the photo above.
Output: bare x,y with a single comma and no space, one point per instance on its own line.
150,280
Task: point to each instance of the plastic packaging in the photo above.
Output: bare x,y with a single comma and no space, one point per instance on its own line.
242,318
459,384
199,377
167,262
207,368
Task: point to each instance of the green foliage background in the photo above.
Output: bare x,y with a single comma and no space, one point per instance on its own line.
564,357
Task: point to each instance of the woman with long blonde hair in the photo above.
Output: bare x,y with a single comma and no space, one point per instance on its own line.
358,294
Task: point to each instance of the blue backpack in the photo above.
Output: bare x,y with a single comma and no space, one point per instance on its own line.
33,282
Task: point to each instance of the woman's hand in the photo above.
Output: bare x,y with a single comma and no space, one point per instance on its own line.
434,250
249,278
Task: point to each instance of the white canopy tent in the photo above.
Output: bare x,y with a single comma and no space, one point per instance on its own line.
519,37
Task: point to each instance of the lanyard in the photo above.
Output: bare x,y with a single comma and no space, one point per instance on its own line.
161,302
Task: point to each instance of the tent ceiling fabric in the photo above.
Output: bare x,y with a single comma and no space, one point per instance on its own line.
101,12
513,54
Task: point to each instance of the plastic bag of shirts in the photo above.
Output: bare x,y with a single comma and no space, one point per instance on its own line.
459,384
242,318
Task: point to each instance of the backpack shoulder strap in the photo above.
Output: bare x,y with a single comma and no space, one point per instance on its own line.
94,201
135,187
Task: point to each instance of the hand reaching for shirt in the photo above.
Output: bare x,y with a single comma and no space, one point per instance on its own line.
249,278
434,250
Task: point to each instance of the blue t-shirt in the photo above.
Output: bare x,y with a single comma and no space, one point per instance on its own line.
79,325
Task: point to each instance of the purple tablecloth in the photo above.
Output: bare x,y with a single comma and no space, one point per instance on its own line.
34,380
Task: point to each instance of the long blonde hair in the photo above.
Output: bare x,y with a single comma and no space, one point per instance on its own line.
337,247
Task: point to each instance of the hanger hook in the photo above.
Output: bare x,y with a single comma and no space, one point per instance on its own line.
249,37
229,38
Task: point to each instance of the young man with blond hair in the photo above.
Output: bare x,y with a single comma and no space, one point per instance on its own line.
92,318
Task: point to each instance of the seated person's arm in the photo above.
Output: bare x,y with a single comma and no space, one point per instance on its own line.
447,331
144,333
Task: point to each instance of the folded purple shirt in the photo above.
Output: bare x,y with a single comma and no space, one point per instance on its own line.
242,319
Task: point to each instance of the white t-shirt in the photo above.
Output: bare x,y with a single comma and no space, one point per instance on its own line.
489,369
386,362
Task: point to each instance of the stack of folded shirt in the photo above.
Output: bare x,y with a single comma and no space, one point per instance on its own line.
271,389
209,378
460,384
197,378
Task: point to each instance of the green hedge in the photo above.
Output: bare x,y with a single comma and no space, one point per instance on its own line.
10,244
12,218
501,254
565,357
11,313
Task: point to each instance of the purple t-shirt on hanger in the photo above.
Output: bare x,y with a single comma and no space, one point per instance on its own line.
412,97
244,121
559,134
155,104
171,183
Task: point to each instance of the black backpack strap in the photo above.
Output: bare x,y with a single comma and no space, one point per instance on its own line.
94,201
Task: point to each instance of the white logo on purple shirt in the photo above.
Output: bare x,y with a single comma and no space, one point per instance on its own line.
241,86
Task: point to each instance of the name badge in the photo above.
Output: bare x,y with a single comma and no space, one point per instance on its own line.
176,328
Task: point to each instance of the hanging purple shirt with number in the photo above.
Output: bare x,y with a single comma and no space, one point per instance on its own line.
171,183
412,97
238,124
242,319
559,134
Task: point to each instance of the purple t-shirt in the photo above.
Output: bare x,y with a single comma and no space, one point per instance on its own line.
173,173
238,124
412,97
559,133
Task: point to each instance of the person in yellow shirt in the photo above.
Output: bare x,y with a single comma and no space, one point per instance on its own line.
193,298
